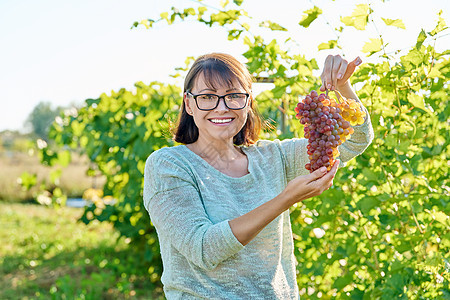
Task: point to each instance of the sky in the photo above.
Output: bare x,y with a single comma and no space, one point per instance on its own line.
64,52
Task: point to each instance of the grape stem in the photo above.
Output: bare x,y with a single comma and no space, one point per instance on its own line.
338,95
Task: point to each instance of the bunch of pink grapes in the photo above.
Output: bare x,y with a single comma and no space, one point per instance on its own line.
324,127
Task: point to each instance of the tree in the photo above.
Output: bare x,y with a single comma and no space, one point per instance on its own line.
40,119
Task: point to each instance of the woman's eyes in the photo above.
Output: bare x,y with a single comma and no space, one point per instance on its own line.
208,97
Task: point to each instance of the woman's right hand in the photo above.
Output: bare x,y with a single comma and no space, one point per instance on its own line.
313,184
247,226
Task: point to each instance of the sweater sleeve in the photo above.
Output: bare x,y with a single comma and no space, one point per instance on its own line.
359,141
177,212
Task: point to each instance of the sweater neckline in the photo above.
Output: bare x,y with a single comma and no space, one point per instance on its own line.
219,173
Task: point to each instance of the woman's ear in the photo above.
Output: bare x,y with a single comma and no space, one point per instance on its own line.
187,106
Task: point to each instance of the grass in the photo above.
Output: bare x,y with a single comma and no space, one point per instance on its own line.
47,254
73,179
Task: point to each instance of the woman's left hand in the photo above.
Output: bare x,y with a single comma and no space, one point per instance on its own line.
337,71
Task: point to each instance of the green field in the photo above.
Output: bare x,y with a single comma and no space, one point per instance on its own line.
46,253
73,180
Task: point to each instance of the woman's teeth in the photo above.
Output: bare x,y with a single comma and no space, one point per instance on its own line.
221,120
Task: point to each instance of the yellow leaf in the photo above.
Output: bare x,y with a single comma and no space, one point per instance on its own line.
311,15
416,100
440,25
397,23
359,17
441,217
373,46
328,45
164,15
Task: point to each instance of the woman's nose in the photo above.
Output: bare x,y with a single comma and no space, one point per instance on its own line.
221,105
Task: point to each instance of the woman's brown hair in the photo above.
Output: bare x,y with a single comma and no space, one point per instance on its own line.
219,69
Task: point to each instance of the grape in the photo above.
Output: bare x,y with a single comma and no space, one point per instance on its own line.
327,124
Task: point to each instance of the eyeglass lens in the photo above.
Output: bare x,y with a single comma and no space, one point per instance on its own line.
209,101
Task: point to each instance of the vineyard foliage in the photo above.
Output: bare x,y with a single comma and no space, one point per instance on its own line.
382,230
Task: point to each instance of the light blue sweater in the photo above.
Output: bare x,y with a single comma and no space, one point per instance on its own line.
190,203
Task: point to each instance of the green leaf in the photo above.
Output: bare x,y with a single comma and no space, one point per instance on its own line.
397,23
416,100
331,44
55,175
367,203
311,15
238,2
374,46
343,281
91,102
370,174
414,57
64,158
441,217
271,25
27,180
359,17
420,39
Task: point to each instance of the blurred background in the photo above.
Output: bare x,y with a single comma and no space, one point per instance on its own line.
88,92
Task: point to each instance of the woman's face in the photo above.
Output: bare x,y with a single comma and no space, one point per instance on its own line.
221,123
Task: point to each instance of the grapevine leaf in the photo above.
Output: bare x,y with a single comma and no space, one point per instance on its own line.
359,17
238,2
397,23
440,25
343,281
64,158
165,16
367,203
374,46
55,175
91,102
201,11
370,174
273,26
27,180
416,100
441,217
223,18
435,73
331,44
224,3
311,15
414,57
420,39
234,34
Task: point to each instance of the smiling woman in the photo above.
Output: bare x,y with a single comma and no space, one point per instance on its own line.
209,73
220,202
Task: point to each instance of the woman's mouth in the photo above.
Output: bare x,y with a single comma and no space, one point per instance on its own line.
225,121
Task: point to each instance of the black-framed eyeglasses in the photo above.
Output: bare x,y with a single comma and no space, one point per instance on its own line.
233,101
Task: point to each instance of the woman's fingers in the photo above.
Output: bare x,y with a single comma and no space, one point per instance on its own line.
326,181
350,69
317,174
326,73
337,71
340,73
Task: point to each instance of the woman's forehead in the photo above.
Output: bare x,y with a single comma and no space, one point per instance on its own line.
215,81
